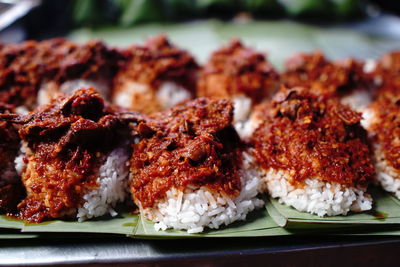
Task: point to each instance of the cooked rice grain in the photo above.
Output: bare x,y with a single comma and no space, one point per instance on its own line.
316,196
196,208
112,187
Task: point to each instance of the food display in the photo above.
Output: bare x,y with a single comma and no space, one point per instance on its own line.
145,136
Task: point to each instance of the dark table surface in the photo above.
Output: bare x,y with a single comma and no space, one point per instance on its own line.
271,251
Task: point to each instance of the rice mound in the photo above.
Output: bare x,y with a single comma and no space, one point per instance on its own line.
387,176
193,209
316,196
112,187
112,184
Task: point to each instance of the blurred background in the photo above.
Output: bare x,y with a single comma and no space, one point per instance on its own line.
340,28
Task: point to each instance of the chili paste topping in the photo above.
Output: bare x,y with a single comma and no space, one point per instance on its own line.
193,144
313,136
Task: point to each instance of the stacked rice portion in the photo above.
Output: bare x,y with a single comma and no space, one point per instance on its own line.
155,76
313,154
11,189
35,72
382,121
189,170
345,79
72,162
241,74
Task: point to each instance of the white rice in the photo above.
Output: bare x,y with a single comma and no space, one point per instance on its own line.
49,90
387,176
112,187
129,91
369,66
168,94
242,108
316,196
358,100
20,164
196,208
21,110
244,125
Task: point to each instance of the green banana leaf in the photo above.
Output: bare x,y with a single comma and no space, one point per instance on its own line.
10,223
15,234
386,211
255,221
122,224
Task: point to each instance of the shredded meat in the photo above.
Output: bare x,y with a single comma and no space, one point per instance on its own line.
236,70
192,144
313,136
11,190
155,62
67,141
322,76
25,67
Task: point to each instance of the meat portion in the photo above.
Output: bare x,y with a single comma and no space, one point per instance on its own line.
54,65
322,76
11,190
236,70
66,143
156,76
313,136
387,77
191,145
